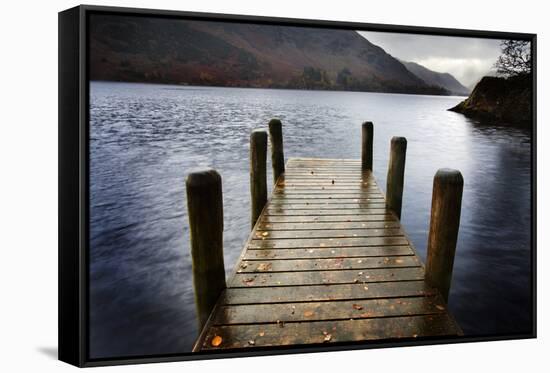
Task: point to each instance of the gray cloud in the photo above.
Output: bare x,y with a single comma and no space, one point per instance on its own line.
467,59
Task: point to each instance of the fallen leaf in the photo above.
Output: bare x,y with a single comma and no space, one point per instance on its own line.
359,261
248,280
252,342
366,287
441,308
357,307
308,313
261,334
216,341
327,338
399,261
264,267
265,234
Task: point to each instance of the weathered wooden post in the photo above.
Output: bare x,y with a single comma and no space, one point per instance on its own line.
366,145
258,176
205,210
396,174
444,223
277,154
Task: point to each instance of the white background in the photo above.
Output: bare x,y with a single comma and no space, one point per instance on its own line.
28,185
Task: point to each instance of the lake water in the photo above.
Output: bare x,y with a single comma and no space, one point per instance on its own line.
145,138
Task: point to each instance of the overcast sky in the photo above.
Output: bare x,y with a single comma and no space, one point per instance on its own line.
467,59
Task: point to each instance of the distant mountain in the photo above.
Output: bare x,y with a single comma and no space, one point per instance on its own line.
140,49
444,80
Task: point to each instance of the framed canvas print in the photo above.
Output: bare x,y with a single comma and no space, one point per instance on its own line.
233,186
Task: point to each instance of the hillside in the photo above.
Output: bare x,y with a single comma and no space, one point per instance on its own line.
500,100
444,80
139,49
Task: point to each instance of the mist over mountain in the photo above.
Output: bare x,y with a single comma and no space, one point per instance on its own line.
444,80
171,51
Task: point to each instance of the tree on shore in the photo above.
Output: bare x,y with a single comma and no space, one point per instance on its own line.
515,58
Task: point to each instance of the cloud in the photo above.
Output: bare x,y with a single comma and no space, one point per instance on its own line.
467,59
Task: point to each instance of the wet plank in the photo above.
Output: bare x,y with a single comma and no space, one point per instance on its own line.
287,200
335,310
277,211
328,252
326,262
320,332
310,264
329,205
328,242
266,225
283,196
327,218
326,277
328,233
317,293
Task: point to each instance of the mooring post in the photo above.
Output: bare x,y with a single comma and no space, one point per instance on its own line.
205,210
277,153
258,176
396,175
444,224
366,145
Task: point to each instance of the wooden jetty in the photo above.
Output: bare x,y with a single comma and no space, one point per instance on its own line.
327,260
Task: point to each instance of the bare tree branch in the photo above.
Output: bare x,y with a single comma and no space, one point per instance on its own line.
515,58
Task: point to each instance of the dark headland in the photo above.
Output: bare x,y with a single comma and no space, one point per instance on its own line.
504,101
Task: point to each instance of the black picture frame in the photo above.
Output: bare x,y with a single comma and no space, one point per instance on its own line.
74,174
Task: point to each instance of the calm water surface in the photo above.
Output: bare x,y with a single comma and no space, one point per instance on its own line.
146,138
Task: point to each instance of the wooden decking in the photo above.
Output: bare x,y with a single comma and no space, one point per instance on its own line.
327,262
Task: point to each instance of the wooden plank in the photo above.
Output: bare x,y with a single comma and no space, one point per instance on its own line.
318,253
350,276
314,187
283,195
328,179
324,163
328,242
331,191
294,265
319,293
274,211
305,173
327,218
267,225
336,310
254,336
325,200
334,181
327,206
328,233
